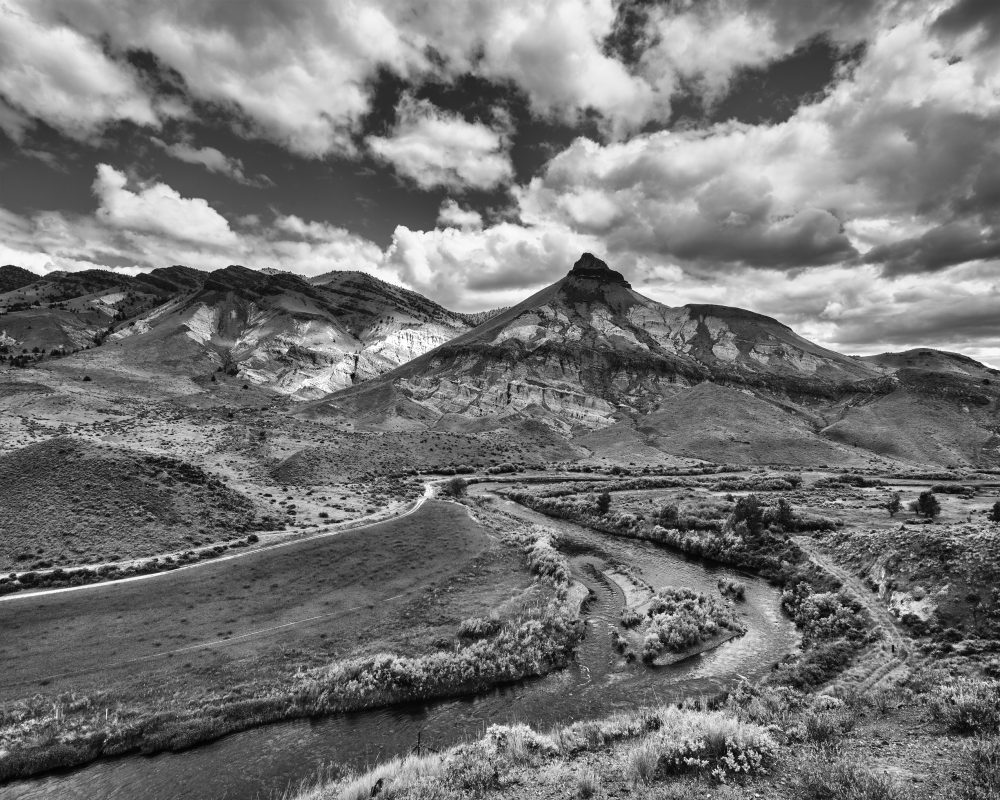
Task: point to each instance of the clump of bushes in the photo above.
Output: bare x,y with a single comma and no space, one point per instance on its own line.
819,777
709,743
456,487
737,590
835,627
969,706
983,770
680,618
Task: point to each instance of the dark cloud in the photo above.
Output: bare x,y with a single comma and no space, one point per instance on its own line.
971,319
939,248
969,15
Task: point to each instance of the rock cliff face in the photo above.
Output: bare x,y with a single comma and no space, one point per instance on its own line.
271,328
278,330
589,348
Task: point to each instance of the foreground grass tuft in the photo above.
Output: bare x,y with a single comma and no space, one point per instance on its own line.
822,778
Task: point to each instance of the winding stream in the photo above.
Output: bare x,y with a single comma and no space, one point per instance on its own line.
265,761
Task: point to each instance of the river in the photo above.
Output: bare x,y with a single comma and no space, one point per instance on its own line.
263,762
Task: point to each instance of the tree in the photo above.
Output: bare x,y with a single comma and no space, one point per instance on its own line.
784,515
748,511
928,505
894,504
668,515
603,503
974,601
995,512
455,487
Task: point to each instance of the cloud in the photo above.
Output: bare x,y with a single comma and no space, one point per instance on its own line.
979,17
212,159
452,215
900,149
694,196
435,148
476,269
50,71
153,226
944,246
301,74
157,208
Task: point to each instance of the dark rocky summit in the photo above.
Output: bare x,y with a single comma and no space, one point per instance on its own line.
590,267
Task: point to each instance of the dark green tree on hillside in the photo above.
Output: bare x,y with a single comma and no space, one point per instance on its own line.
748,511
994,515
455,487
894,504
668,515
928,505
603,503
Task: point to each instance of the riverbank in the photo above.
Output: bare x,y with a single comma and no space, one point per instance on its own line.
536,624
754,742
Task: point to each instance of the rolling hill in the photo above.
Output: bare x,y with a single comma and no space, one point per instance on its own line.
274,329
280,331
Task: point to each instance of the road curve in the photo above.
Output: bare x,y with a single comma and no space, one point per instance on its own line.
18,596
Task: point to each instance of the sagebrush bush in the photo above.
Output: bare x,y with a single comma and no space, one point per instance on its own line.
711,743
819,777
968,706
982,760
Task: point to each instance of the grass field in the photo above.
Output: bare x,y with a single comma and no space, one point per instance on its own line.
399,585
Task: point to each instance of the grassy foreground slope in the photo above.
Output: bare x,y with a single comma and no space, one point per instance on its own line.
70,501
367,618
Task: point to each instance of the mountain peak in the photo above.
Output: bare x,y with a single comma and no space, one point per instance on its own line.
590,267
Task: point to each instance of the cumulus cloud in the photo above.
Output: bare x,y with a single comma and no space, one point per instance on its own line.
150,225
435,148
895,162
50,71
158,208
475,269
452,215
301,74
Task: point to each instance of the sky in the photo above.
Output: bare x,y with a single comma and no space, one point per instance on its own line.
832,163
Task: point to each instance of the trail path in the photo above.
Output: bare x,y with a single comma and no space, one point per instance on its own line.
883,659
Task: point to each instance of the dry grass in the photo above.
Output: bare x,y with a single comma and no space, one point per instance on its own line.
66,501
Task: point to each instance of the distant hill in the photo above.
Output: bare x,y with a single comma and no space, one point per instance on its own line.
925,358
272,328
617,371
276,329
12,277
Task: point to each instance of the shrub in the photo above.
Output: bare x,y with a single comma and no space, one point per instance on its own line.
894,504
820,778
711,743
735,589
681,618
928,505
456,487
826,727
588,784
969,706
748,511
478,628
994,515
983,767
630,617
603,503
